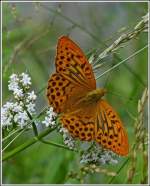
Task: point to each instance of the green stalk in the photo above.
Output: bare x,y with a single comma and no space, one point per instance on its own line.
35,130
57,145
25,145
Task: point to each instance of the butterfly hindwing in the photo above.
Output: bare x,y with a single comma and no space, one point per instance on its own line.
80,123
110,131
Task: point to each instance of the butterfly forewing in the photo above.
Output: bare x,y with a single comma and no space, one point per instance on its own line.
62,94
73,77
72,63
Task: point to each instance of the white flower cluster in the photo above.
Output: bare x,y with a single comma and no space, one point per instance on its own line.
50,118
15,113
50,121
68,139
18,84
98,155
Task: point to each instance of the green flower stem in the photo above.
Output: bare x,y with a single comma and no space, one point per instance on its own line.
35,130
25,145
57,145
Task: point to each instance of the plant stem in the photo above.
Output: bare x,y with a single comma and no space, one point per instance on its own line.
35,130
25,145
56,144
12,140
123,164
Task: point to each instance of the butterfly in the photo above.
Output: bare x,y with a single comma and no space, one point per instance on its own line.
72,92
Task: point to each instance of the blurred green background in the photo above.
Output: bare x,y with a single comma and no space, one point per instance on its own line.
30,34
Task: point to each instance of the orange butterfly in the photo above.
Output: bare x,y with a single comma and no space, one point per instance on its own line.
72,92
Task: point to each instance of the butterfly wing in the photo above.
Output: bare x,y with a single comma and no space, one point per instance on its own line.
62,94
81,122
73,64
110,131
73,78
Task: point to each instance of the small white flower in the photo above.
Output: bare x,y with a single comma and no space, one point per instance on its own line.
6,117
13,86
31,108
53,123
21,118
13,82
47,121
14,78
18,93
31,96
50,118
26,80
17,107
51,112
98,155
6,121
70,143
63,130
8,111
8,105
68,139
114,161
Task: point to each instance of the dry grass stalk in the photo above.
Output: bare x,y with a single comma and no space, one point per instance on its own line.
125,37
140,134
